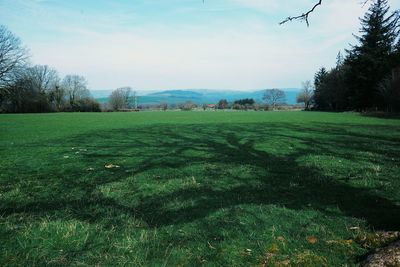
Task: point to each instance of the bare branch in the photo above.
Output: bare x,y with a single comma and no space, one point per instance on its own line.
306,15
303,16
12,55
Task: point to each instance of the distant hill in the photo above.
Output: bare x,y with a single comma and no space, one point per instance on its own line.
97,94
178,94
198,96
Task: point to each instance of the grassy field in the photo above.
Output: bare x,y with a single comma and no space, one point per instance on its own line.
195,188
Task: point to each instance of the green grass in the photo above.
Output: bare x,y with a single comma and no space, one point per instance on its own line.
195,188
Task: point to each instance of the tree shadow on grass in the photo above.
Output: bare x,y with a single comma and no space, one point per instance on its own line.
277,178
382,115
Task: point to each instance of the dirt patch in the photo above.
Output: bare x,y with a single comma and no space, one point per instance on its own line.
388,256
386,249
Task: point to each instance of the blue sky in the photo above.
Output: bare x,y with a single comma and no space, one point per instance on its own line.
163,44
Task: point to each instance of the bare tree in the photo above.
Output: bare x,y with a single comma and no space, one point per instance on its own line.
29,90
121,98
12,55
274,97
18,95
48,82
40,81
43,78
164,106
222,104
12,58
75,88
188,106
306,95
57,97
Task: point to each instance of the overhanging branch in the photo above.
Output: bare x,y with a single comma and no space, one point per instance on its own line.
303,16
306,15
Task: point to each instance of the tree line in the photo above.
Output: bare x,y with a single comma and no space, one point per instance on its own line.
37,88
272,98
367,78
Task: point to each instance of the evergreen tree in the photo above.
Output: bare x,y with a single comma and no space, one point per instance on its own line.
339,59
396,56
371,60
320,96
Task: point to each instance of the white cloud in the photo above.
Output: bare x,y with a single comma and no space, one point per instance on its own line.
241,50
235,59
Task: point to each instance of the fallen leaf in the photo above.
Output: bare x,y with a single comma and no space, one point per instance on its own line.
312,239
111,166
273,249
348,241
284,263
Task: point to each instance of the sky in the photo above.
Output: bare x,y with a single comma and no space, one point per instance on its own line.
182,44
